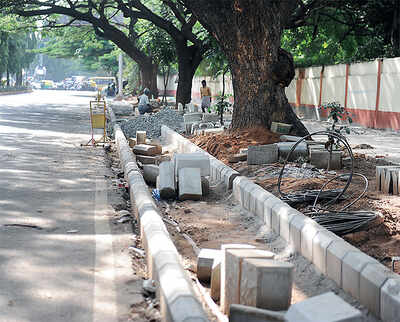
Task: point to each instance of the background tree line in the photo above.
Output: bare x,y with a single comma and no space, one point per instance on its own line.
259,41
16,46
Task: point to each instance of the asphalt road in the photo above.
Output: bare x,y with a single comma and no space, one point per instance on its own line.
56,255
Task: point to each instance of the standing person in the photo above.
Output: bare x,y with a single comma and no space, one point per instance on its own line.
144,103
205,93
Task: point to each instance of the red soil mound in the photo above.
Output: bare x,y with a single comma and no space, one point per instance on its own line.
223,145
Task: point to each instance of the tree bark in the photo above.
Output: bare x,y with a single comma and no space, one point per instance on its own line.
189,58
8,77
148,75
249,33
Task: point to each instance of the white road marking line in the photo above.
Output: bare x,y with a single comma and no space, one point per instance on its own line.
104,301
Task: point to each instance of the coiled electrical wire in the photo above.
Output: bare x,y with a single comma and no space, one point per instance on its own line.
340,222
309,195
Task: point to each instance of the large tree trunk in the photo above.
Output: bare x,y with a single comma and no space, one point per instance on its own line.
189,58
148,76
249,33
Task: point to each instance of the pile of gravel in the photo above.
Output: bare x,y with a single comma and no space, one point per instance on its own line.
152,123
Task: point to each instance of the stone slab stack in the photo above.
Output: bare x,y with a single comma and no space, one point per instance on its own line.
262,154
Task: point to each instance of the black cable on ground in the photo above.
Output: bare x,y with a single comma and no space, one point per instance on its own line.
340,222
331,196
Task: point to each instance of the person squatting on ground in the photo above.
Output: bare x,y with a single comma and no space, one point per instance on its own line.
205,93
144,103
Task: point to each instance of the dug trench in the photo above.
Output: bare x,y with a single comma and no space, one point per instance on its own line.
381,239
217,219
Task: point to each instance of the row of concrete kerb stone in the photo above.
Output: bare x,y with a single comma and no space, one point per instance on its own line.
178,300
360,275
218,170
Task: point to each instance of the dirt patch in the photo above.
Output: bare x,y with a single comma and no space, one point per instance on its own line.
228,143
381,239
218,220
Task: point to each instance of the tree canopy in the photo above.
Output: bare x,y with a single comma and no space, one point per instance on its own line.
16,45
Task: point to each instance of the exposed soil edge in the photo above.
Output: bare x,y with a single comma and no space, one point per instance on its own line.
240,183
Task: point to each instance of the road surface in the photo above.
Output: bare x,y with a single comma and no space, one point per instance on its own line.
56,251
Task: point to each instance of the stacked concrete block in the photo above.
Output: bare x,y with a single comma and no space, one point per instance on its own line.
321,242
335,253
218,279
321,159
353,264
145,149
150,173
327,307
284,148
372,278
189,184
166,183
192,160
266,284
390,300
233,273
140,137
241,313
262,154
205,261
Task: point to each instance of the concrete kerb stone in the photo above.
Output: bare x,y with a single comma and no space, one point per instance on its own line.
177,299
353,264
310,229
320,243
240,313
295,227
260,197
185,146
268,205
247,191
390,300
277,210
335,253
326,307
185,309
258,191
286,215
372,278
237,188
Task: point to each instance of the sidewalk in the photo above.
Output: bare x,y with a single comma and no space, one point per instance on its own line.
385,143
